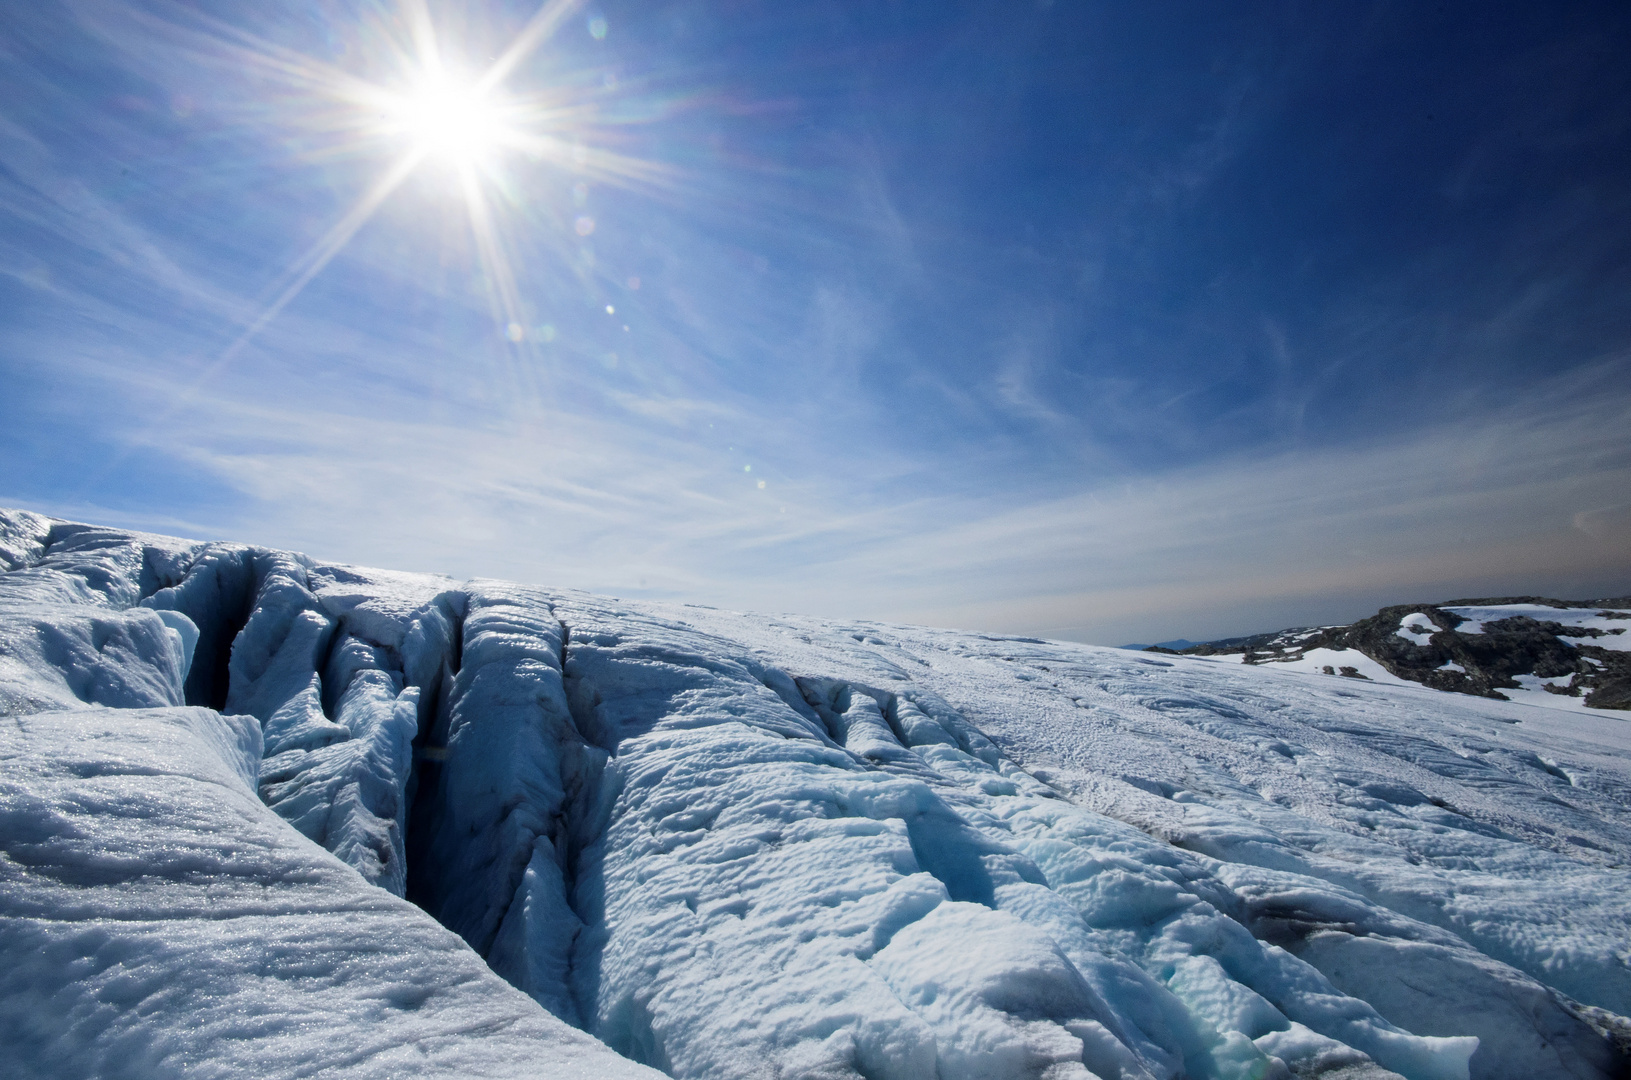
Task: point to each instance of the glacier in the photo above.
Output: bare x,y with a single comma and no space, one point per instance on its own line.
265,815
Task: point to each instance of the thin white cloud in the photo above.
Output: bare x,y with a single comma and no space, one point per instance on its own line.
386,444
47,197
593,502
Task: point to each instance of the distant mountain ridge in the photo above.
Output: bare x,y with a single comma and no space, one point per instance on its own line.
1573,648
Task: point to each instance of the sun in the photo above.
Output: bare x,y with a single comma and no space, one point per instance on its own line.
437,112
456,122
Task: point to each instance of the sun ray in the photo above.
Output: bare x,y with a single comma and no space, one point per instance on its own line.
538,29
504,294
594,162
221,40
302,271
423,34
322,253
446,115
490,251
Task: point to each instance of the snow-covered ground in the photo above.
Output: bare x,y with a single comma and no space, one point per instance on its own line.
1326,662
731,845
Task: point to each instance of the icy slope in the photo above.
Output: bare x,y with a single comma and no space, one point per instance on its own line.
739,846
159,921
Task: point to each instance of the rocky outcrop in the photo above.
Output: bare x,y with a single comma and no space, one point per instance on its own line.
1571,648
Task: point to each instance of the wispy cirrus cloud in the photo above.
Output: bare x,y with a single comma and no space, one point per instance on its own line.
1529,500
910,334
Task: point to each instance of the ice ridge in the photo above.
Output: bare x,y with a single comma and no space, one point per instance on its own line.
241,789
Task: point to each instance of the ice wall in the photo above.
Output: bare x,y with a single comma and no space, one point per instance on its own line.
157,920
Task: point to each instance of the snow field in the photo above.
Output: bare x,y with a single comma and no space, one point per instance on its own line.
728,845
1315,661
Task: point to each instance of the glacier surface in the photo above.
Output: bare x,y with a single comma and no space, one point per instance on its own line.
262,815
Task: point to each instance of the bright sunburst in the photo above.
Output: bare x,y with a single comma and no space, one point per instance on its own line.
432,113
451,120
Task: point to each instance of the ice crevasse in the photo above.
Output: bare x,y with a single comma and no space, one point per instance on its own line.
262,815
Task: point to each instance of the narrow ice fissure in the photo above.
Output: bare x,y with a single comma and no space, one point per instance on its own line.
218,593
358,729
433,670
581,833
891,716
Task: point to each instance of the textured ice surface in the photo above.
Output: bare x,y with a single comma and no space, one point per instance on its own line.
731,845
157,920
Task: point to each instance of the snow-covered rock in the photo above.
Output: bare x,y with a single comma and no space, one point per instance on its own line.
1567,654
730,845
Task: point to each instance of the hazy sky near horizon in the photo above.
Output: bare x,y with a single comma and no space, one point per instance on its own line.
1099,321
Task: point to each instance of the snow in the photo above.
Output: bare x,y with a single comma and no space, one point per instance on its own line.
1531,690
1316,661
1417,628
1619,642
157,920
731,845
1617,634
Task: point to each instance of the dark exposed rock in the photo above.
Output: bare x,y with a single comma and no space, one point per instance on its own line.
1482,662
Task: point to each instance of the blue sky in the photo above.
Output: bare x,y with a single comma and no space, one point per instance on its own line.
1099,321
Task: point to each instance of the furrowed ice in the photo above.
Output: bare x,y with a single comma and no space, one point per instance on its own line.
264,816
